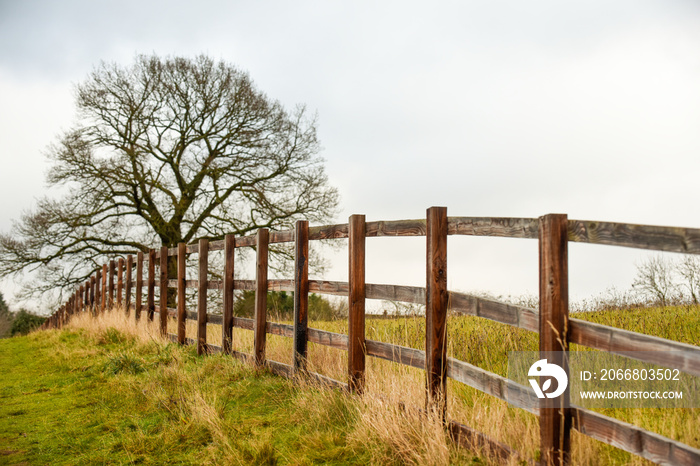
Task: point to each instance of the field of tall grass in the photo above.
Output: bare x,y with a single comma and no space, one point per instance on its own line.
297,422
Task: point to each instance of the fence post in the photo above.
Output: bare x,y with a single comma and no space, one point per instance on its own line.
260,324
120,281
139,285
98,292
436,309
93,281
112,267
301,294
103,307
227,325
129,283
163,290
202,296
356,303
151,299
181,290
555,419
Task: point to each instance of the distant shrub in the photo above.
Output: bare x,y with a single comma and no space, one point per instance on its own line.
280,306
24,322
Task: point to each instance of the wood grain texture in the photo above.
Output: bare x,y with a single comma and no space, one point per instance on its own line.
497,311
229,263
247,241
129,283
493,384
181,293
436,301
259,337
283,330
301,294
328,232
555,419
406,294
396,228
323,337
120,281
647,348
658,238
139,286
244,323
151,299
493,226
281,285
105,272
286,236
163,283
93,284
202,296
217,245
110,283
98,292
356,304
628,437
395,353
192,248
329,287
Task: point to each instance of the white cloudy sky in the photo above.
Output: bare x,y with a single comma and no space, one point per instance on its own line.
500,108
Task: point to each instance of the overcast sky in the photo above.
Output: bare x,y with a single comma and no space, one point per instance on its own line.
498,108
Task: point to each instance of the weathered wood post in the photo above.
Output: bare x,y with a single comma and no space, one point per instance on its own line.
436,309
139,285
356,303
151,299
120,282
202,296
112,267
555,419
129,283
163,284
103,306
301,294
93,282
98,292
227,324
181,290
260,324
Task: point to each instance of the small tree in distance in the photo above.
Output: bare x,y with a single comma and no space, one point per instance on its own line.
655,279
167,150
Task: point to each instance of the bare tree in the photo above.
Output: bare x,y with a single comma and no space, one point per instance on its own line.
655,279
689,269
165,151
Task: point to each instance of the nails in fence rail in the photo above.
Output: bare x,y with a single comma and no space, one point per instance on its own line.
181,292
120,281
555,420
202,296
356,303
112,270
227,324
163,309
151,300
436,297
129,283
139,285
301,294
259,329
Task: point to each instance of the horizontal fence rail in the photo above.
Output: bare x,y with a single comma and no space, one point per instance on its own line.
101,292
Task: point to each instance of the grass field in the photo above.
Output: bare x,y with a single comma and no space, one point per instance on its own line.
109,392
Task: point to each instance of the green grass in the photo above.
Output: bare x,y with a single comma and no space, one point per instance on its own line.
68,398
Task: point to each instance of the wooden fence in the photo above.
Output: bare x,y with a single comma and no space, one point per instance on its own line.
552,322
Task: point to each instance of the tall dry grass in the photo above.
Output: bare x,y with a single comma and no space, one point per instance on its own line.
384,419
